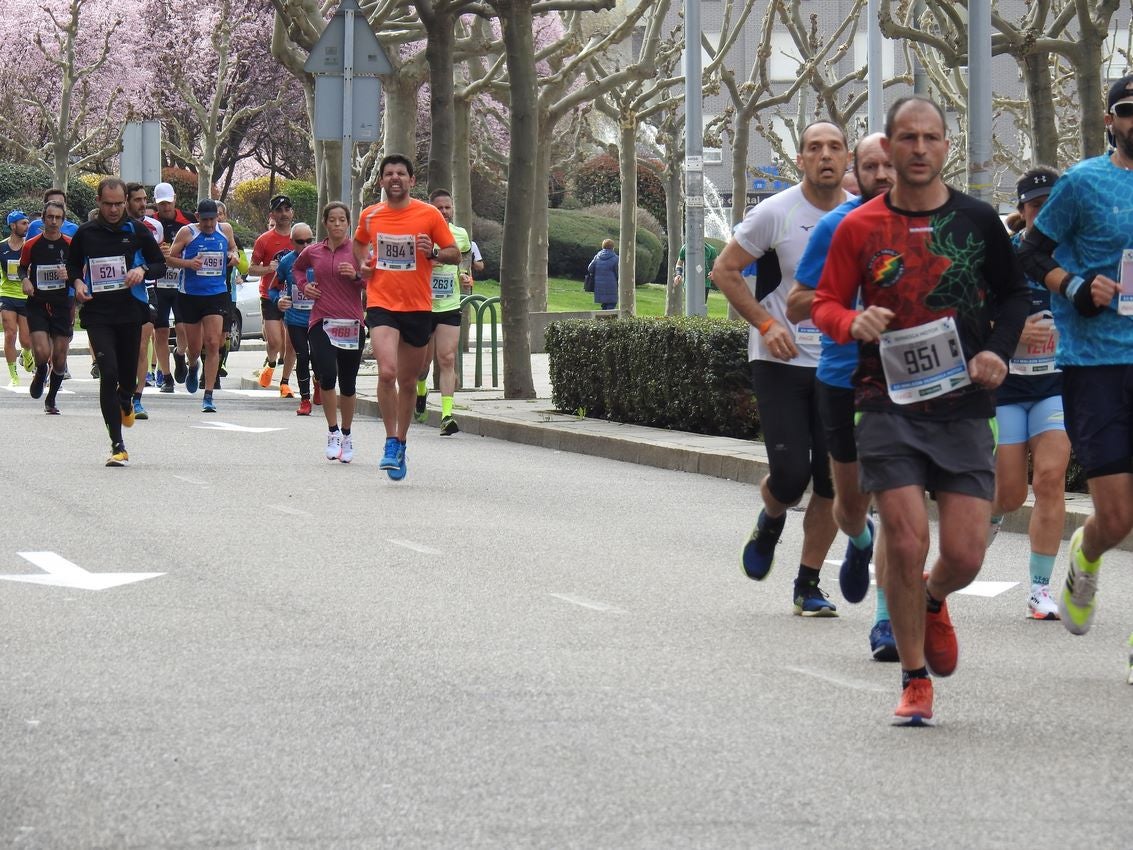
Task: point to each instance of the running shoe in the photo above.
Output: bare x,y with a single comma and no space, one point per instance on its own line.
207,405
179,367
28,360
993,528
265,376
14,382
139,411
159,379
811,601
128,417
167,387
318,396
759,551
853,577
1041,606
192,378
50,409
881,642
389,454
304,408
285,391
66,374
37,381
419,411
941,652
221,372
334,445
216,384
1076,603
94,373
347,453
449,426
118,457
150,380
398,473
915,707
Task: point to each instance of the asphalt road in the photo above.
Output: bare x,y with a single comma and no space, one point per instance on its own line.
513,647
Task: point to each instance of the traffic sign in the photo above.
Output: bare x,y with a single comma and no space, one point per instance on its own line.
328,56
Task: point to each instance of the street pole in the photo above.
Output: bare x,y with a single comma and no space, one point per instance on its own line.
694,166
875,94
348,107
979,100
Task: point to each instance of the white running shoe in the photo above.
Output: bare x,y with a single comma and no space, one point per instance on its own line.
347,453
1041,606
334,444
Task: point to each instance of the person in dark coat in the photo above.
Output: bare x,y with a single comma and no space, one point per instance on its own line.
604,268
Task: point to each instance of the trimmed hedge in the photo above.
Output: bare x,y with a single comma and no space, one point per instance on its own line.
22,187
489,238
686,374
575,236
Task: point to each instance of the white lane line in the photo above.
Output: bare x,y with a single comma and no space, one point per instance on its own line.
189,480
854,684
213,425
416,547
987,589
589,603
283,509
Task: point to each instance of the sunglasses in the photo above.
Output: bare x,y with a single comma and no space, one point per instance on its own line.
303,241
1123,109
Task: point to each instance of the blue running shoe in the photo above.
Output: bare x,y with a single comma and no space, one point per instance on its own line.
139,411
149,379
811,601
158,379
853,578
881,642
389,454
191,382
759,550
207,405
398,473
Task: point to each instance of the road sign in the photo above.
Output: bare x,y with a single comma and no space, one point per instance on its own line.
366,95
140,160
328,56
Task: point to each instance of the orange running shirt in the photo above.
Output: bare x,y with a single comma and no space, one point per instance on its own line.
402,277
269,246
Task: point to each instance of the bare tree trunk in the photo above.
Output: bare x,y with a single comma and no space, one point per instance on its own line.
740,142
1044,130
627,237
1088,79
538,259
674,226
516,22
461,165
438,53
401,116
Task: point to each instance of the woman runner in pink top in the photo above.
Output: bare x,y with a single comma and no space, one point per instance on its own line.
327,273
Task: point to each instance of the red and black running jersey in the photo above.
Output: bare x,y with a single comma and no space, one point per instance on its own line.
41,251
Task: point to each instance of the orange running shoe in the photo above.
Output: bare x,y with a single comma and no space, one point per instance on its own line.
265,376
915,707
128,416
285,391
318,399
304,408
941,651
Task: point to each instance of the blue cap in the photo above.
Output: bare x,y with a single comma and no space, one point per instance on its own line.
16,215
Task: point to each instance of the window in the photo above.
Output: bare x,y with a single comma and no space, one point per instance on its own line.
783,66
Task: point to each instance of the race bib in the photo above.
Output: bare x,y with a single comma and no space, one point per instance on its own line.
212,264
1125,296
170,280
1035,359
12,270
107,273
923,362
299,301
343,333
48,278
807,335
396,253
444,284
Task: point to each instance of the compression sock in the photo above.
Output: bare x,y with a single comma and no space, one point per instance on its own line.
1041,568
882,607
446,406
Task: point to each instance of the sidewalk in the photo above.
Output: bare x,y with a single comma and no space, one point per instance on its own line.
485,412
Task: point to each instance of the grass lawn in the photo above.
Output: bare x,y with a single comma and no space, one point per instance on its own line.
564,294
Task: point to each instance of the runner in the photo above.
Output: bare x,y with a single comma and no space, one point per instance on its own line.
13,301
43,274
266,253
404,236
59,197
934,268
1081,247
873,173
108,262
234,279
783,358
328,273
172,219
1030,419
203,252
448,283
297,312
136,209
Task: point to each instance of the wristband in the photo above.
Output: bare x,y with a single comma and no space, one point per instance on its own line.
1077,292
765,327
1070,286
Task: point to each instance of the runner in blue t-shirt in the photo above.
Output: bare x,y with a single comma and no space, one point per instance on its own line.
1081,247
297,312
835,392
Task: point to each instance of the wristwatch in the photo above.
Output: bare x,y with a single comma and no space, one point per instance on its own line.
436,251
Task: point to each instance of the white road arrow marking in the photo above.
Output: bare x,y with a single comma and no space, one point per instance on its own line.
986,589
416,547
213,425
252,393
62,573
589,603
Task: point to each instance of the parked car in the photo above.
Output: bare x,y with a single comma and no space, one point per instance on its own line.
248,321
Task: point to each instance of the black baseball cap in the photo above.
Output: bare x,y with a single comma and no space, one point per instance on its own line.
1031,186
278,201
207,209
1120,90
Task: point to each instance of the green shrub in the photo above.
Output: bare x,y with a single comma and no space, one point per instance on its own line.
575,236
598,181
489,238
184,184
489,195
249,201
304,198
23,187
645,219
687,374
